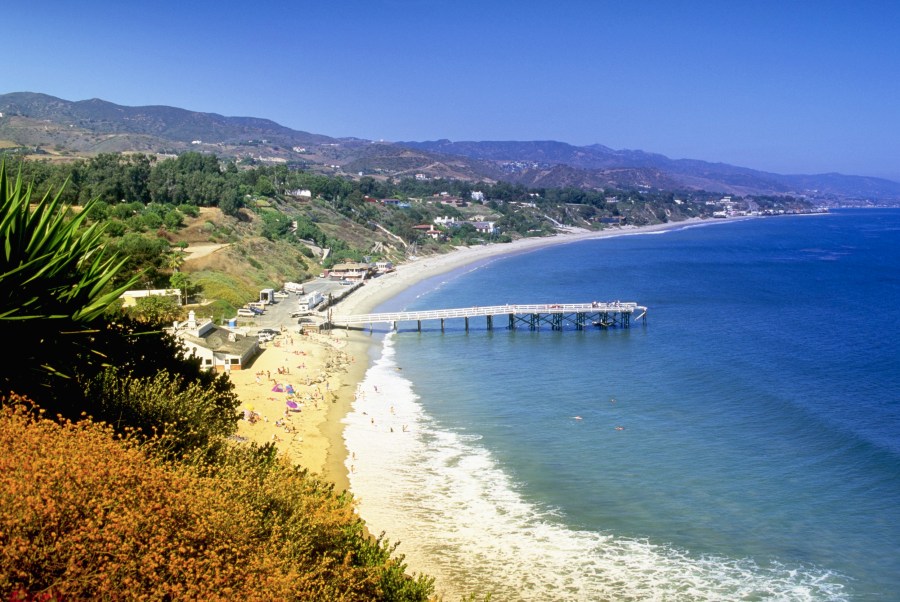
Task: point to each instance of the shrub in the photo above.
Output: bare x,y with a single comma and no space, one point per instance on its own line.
88,515
185,415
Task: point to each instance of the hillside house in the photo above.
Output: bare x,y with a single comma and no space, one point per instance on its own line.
218,348
484,227
453,201
449,222
395,203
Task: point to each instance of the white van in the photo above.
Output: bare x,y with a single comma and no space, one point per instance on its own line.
246,313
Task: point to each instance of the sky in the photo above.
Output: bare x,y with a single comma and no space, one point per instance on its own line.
788,86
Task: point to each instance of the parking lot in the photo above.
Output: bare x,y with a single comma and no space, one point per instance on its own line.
282,314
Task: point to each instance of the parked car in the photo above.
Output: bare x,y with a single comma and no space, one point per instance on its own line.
281,294
265,337
246,313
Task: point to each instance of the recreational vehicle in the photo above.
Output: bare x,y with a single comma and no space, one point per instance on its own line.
310,301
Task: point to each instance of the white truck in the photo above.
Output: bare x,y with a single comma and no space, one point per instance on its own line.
310,301
293,287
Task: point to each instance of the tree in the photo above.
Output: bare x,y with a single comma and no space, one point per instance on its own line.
155,309
182,282
275,225
175,259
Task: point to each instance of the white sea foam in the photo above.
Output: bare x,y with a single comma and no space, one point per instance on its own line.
460,518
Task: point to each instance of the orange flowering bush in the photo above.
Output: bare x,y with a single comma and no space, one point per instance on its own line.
91,515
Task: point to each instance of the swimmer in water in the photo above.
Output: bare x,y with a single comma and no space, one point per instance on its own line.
577,417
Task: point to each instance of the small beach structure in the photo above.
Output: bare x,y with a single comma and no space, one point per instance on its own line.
218,348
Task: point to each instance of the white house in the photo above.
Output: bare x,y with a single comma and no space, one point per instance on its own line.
484,227
445,221
218,348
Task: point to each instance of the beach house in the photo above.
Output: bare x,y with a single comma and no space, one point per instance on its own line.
218,348
350,271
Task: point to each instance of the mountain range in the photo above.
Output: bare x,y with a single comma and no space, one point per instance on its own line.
57,128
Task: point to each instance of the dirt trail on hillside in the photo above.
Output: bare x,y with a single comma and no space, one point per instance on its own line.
202,250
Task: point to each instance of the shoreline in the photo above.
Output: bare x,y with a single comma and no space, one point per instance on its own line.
379,290
324,369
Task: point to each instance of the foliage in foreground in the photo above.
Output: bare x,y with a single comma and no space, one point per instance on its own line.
153,503
89,515
54,282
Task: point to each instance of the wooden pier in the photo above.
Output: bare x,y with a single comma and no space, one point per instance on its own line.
612,314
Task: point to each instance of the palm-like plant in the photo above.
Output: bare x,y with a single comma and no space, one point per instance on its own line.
54,280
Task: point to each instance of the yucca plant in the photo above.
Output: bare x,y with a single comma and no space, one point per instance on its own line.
54,281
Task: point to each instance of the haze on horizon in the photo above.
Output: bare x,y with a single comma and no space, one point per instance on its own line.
785,87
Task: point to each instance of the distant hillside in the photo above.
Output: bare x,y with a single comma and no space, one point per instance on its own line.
539,164
166,123
48,125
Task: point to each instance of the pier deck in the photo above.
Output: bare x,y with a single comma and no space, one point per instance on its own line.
555,315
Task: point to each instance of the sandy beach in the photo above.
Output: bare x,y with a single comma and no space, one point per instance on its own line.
319,372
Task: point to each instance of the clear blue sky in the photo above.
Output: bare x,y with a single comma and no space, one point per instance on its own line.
789,87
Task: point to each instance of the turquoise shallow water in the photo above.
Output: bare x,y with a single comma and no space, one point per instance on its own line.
758,449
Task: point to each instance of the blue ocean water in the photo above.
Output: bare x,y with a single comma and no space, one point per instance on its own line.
743,444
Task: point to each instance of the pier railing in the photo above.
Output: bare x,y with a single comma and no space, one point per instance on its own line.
601,314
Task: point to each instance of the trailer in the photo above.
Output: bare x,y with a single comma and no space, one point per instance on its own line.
293,287
310,301
267,295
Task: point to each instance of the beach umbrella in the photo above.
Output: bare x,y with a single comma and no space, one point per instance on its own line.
292,404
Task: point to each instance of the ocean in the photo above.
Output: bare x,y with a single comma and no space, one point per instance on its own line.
741,444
